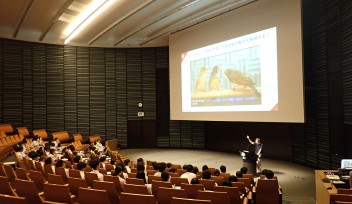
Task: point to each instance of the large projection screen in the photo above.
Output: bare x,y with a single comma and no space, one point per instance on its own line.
245,65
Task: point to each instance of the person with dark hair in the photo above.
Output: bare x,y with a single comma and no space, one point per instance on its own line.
141,173
258,150
189,173
80,167
155,165
204,167
195,181
239,174
77,159
57,142
172,170
233,178
195,170
263,172
244,170
165,176
94,163
119,173
162,167
34,156
140,161
168,165
61,163
206,174
102,161
184,167
127,163
35,143
19,152
26,145
217,172
269,174
49,162
52,154
227,183
223,169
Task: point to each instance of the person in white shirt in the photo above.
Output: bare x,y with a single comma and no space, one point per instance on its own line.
80,167
56,142
19,152
61,163
162,167
118,172
189,174
94,163
35,143
127,163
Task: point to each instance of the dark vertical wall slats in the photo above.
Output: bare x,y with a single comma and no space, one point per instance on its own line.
90,91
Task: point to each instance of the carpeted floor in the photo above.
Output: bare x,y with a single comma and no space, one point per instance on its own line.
296,181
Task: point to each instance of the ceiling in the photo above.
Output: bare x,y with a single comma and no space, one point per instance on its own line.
126,23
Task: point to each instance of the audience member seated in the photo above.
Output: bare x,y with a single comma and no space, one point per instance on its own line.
269,174
61,163
195,181
223,169
128,166
189,174
165,176
217,172
19,151
206,174
184,167
80,167
233,178
195,170
77,159
239,174
94,163
244,170
172,170
168,165
119,173
34,156
162,167
102,161
49,162
227,183
155,165
141,172
204,168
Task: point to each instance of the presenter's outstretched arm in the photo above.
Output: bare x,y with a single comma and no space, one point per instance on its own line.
249,140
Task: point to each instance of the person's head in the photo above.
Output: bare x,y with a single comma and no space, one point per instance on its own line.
169,165
59,163
102,159
257,140
195,181
239,174
140,160
217,172
48,161
81,166
118,170
24,141
206,174
52,151
112,161
165,176
233,178
76,159
140,168
18,148
263,172
244,170
34,155
195,170
94,163
223,169
269,174
205,167
172,170
72,148
184,167
141,175
227,183
155,165
162,166
57,140
127,162
189,168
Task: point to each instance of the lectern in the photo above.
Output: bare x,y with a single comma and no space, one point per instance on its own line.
250,161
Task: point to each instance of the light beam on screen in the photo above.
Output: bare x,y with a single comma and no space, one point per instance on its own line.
239,74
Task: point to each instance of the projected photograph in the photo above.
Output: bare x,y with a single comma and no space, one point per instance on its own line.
239,74
231,78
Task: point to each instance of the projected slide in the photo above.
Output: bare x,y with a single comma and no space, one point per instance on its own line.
234,75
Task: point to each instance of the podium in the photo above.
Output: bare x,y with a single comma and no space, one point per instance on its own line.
250,161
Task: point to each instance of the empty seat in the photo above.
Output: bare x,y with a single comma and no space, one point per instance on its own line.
90,177
136,189
207,183
57,193
41,133
23,131
177,181
130,198
192,189
135,181
110,189
215,197
175,200
157,184
116,182
21,174
267,191
55,179
38,179
6,199
93,196
233,193
28,190
75,183
6,189
166,194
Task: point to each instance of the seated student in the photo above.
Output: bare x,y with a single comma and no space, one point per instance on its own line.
172,170
269,174
168,165
26,145
35,143
189,174
94,163
48,161
165,176
204,167
119,173
239,174
227,183
57,143
223,169
155,166
102,161
19,152
206,174
98,145
244,170
140,161
52,153
127,163
60,163
77,159
80,167
233,178
32,155
141,173
195,170
194,181
162,167
217,172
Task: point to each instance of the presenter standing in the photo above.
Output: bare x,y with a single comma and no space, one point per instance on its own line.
258,145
